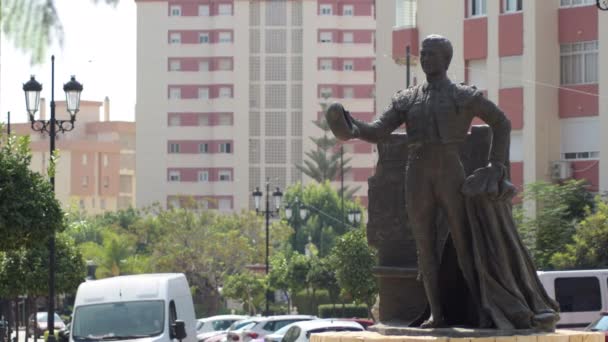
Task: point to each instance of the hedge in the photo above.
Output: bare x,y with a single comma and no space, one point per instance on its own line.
346,311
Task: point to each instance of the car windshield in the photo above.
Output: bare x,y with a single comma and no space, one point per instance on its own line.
118,321
43,317
600,325
221,324
240,324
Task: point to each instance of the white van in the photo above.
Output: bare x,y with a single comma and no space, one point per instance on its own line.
146,308
582,295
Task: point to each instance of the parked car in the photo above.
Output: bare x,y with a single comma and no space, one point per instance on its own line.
600,325
39,325
276,336
301,331
211,326
235,327
265,326
365,323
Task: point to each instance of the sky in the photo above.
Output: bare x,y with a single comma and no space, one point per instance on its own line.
99,49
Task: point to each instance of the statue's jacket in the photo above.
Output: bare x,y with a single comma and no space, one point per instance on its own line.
439,112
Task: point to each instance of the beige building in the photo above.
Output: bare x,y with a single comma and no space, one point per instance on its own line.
538,60
227,92
96,166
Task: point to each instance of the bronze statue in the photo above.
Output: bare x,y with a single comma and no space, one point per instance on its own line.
437,115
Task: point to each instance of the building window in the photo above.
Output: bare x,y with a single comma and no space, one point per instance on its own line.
574,3
348,65
203,66
348,10
105,160
405,13
225,92
348,93
203,176
326,37
175,65
84,159
173,148
176,10
174,176
326,92
106,182
225,148
203,38
326,9
225,37
512,6
203,120
224,64
477,8
581,155
347,37
81,202
224,204
175,120
85,181
203,93
203,10
224,119
579,62
327,64
102,204
175,93
203,148
225,176
175,38
225,9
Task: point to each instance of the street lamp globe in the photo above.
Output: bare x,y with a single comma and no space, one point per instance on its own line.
257,197
32,91
72,91
288,211
277,195
303,213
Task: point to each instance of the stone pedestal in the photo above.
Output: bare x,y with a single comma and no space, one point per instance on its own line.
460,335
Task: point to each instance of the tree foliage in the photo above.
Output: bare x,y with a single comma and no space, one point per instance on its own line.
33,25
589,248
354,261
558,209
29,211
247,287
325,220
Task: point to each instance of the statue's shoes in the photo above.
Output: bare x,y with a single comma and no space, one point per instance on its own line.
545,320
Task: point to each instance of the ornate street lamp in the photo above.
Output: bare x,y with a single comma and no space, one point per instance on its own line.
354,216
257,197
32,91
301,214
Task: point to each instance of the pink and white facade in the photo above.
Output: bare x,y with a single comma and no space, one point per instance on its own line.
538,60
96,166
227,91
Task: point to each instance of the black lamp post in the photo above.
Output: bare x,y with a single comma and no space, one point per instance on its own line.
354,216
257,196
298,212
32,91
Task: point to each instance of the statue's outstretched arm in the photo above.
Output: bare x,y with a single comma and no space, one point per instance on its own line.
345,127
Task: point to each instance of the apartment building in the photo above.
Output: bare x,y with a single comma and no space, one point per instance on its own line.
540,61
96,166
227,92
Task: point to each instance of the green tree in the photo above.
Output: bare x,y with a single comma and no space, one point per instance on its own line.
354,261
33,25
29,211
589,246
322,275
559,208
325,221
247,287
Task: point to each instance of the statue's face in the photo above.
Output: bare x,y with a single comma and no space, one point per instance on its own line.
432,59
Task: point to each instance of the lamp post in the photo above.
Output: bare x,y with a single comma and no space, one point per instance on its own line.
257,196
32,91
354,216
299,212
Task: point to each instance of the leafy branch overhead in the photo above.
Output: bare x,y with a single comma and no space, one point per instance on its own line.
32,26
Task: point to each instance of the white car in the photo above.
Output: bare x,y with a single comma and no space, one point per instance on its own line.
265,326
215,325
301,331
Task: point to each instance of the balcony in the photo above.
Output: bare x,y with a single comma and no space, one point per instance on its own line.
221,105
201,23
345,50
345,77
201,50
201,77
402,37
346,22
